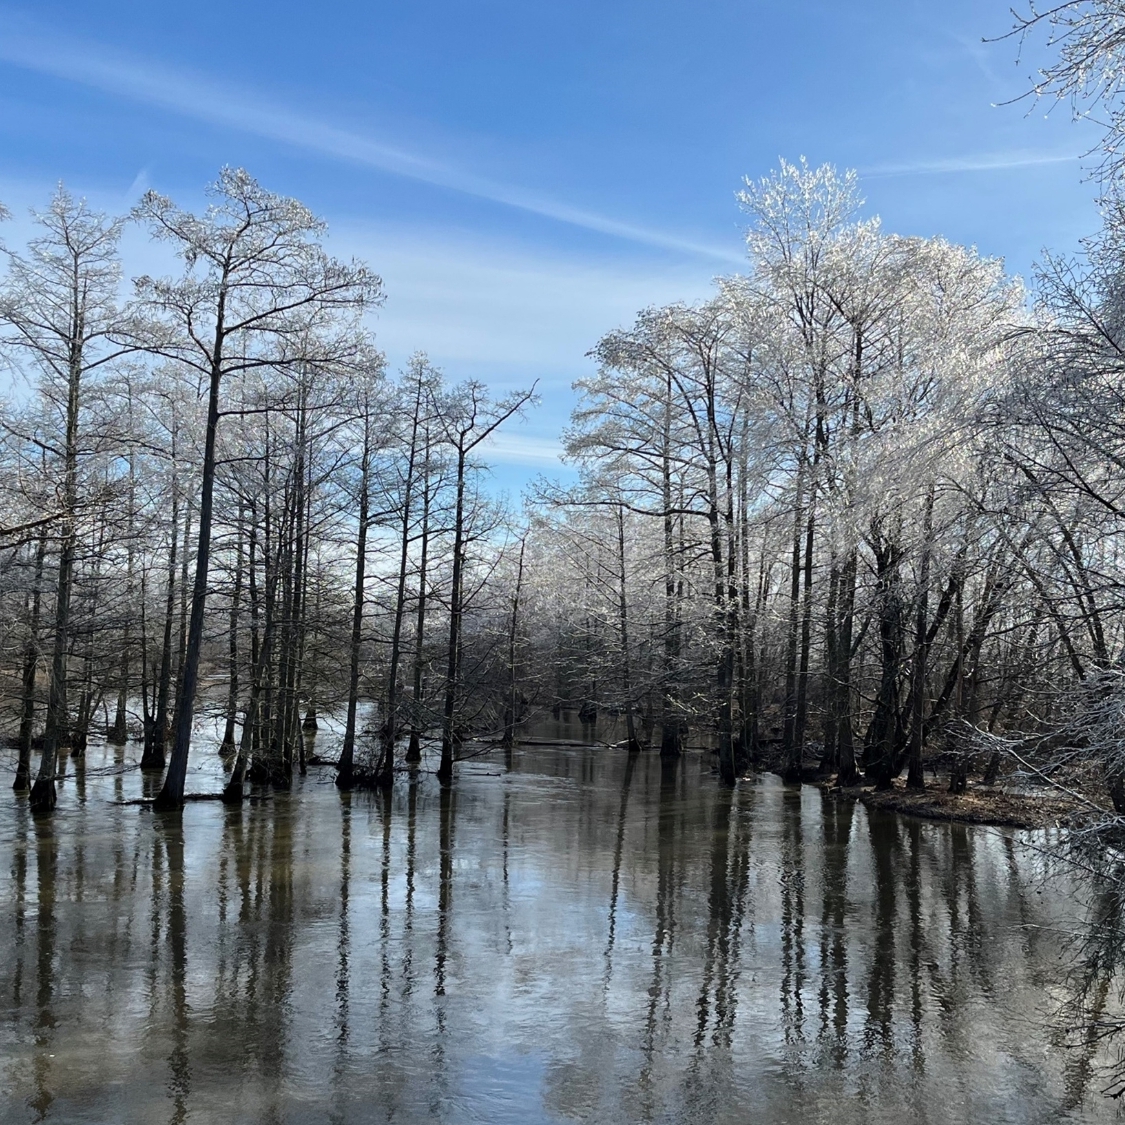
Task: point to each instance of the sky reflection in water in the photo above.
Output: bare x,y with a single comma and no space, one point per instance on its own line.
559,937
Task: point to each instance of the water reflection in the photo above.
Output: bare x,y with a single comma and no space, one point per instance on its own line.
878,1031
618,851
44,1023
560,935
169,831
832,993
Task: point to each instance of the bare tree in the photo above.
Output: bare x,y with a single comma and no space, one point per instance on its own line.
256,286
467,418
59,304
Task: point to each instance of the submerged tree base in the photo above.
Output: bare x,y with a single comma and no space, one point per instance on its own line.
153,759
43,796
360,778
234,793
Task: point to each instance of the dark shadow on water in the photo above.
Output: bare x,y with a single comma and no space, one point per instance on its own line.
170,829
46,940
615,879
832,995
878,1030
341,1013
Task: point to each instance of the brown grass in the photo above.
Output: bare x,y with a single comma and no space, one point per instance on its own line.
980,804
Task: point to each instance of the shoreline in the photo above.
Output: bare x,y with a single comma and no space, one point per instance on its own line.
991,805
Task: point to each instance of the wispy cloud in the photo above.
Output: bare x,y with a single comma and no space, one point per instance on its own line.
521,449
198,96
505,311
983,162
137,188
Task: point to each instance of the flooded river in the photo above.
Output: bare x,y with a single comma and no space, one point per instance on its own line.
560,936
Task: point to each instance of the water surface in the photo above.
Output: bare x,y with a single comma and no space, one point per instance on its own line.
560,936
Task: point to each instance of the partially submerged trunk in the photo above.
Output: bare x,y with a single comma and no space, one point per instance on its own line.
30,663
153,756
414,749
172,794
119,732
384,767
57,726
453,670
345,768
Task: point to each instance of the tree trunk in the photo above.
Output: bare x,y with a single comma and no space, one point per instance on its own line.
830,757
185,571
847,774
280,750
384,769
172,794
790,748
671,721
80,731
881,736
153,756
119,732
56,728
43,794
227,746
453,670
724,672
512,704
414,749
249,740
915,778
287,725
303,626
309,724
802,710
631,742
30,662
345,768
748,670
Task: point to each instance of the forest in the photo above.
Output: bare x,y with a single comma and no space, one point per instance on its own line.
855,512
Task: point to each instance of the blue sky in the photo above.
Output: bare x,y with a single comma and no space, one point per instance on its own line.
526,175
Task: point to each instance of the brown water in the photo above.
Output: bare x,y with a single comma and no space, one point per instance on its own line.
555,938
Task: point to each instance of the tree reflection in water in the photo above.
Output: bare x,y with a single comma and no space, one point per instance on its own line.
558,935
832,994
1090,1016
44,1022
